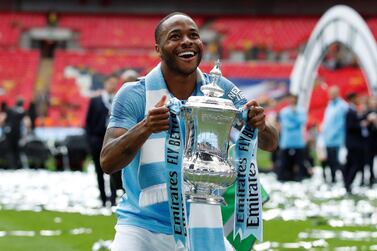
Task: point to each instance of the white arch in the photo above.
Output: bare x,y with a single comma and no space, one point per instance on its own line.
339,24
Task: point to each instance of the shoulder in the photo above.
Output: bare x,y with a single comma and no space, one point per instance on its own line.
285,109
96,99
134,91
134,87
301,109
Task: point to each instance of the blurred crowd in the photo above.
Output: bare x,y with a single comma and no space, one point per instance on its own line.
16,124
21,147
344,143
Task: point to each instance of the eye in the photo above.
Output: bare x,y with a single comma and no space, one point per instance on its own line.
194,35
175,37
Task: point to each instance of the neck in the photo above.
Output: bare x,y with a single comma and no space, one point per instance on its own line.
180,85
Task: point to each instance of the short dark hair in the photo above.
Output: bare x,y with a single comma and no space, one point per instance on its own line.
3,106
157,31
111,75
351,96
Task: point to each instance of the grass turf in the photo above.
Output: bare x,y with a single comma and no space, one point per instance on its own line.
102,227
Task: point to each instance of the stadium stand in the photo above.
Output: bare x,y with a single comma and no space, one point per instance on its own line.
113,43
274,33
18,70
13,24
116,32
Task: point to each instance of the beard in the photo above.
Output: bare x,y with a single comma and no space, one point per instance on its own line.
179,67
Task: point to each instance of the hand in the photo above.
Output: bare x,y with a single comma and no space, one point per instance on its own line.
256,117
157,119
364,123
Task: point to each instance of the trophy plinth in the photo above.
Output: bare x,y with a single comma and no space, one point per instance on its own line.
208,121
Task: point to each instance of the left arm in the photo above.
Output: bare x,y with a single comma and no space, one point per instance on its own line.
267,136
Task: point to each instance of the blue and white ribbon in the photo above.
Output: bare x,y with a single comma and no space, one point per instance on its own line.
204,229
173,156
248,210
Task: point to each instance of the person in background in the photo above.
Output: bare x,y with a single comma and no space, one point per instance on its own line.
354,143
371,152
13,127
32,114
3,115
333,130
292,121
97,118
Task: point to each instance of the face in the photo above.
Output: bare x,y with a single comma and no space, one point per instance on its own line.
110,85
179,45
373,103
333,93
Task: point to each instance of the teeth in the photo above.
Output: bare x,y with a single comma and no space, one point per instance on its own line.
186,53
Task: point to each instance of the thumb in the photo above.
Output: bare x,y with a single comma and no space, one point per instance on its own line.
161,102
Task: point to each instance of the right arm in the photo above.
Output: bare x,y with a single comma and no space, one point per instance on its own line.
121,145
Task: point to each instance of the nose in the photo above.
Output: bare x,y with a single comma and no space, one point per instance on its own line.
186,40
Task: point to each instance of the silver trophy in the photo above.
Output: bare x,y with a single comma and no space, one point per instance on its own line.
208,121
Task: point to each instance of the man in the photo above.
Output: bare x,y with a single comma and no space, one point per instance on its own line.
96,121
292,144
371,119
333,129
180,48
13,128
354,143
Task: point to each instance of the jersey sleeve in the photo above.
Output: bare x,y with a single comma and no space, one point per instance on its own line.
128,107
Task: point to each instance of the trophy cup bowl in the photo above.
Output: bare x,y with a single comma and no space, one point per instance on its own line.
208,121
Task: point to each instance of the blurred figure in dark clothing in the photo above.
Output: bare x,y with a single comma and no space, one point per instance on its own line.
96,123
371,119
354,142
3,113
13,131
32,113
3,147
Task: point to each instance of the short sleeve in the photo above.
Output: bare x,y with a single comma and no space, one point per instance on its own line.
128,106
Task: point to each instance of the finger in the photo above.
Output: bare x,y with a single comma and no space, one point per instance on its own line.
251,103
260,124
161,102
253,111
158,110
257,119
160,129
157,117
155,124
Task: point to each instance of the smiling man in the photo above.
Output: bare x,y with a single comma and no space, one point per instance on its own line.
134,141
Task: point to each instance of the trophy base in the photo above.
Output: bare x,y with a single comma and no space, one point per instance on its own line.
212,200
203,194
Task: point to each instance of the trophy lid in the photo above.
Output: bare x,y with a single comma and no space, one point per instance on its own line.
212,93
212,89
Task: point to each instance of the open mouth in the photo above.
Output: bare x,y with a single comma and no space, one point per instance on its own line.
187,54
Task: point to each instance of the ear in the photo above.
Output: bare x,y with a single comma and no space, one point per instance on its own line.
157,49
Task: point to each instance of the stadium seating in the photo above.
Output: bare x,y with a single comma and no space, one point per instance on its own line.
12,24
275,33
113,43
136,32
18,70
